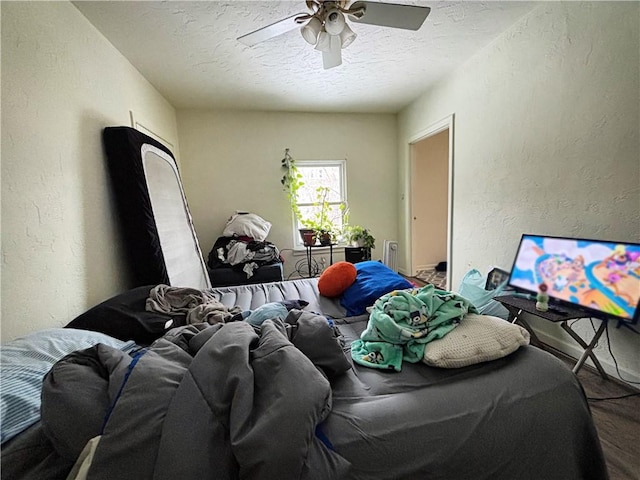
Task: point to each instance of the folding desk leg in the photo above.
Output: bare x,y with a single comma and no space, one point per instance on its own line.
588,348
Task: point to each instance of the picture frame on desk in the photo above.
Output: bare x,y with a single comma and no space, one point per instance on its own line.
495,278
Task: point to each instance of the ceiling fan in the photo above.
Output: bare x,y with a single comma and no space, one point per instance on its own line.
326,26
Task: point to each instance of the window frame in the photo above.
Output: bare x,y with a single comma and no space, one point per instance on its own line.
342,169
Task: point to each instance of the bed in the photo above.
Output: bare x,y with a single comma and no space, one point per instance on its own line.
261,381
522,416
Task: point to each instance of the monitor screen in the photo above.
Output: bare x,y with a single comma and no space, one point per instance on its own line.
599,276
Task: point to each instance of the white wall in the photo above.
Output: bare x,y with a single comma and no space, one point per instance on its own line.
231,161
546,141
62,83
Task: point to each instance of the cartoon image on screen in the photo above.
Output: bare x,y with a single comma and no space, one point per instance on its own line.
602,276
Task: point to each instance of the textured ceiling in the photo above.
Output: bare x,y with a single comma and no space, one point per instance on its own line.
189,52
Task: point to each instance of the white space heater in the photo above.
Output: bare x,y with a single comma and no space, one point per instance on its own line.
390,254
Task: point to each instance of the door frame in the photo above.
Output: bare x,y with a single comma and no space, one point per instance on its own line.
433,129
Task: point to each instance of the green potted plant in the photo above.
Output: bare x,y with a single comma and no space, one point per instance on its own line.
321,222
291,182
360,237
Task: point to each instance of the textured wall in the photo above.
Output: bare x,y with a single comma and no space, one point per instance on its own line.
232,159
62,83
546,139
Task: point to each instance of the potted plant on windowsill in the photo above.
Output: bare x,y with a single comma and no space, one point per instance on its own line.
321,222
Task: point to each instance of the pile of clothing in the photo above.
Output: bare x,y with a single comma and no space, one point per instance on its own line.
243,245
402,322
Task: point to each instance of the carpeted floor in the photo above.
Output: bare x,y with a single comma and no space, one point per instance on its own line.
438,279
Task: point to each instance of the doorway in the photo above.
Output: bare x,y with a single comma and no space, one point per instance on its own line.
431,169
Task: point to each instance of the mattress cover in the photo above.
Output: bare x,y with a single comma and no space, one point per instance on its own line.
249,297
523,416
157,227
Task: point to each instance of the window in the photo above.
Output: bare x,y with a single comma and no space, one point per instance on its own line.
323,179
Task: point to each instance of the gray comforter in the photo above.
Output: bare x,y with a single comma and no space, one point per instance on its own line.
222,401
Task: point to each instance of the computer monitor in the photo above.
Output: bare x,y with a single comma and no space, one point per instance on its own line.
601,277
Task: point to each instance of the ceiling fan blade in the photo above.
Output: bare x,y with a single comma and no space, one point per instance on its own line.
265,33
409,17
333,57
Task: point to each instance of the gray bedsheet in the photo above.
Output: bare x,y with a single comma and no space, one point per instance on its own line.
524,416
249,297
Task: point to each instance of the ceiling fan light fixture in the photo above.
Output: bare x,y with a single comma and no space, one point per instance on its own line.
325,24
311,30
332,57
324,42
334,22
347,36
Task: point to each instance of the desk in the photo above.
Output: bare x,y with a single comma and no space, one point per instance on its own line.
309,248
517,305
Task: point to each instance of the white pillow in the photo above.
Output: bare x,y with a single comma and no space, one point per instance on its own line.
478,338
249,225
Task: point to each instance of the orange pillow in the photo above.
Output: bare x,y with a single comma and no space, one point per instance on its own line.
336,279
